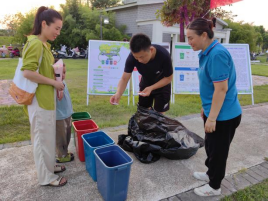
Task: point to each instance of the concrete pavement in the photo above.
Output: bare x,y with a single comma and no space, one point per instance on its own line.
148,182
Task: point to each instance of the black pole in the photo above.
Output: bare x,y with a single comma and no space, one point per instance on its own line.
171,43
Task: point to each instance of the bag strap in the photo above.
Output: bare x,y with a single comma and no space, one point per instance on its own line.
41,57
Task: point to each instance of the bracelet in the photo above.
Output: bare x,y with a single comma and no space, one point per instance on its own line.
211,120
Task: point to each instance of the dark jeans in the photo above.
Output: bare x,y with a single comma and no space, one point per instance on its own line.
217,146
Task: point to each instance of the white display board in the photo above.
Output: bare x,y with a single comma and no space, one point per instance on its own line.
186,63
241,57
136,76
106,63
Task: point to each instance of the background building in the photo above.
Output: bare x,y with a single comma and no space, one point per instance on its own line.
139,16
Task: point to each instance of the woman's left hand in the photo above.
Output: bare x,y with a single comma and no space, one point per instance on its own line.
210,126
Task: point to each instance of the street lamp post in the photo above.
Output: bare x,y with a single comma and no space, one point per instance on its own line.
105,21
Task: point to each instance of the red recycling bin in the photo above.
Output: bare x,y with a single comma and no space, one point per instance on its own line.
80,128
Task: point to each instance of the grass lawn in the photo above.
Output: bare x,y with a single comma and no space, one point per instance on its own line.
258,192
259,69
262,58
14,123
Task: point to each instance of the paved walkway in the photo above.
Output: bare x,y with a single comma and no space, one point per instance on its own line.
259,80
230,184
164,179
5,98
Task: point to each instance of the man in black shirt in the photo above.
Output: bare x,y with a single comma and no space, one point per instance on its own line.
153,62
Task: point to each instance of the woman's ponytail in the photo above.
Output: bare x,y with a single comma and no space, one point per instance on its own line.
44,14
201,25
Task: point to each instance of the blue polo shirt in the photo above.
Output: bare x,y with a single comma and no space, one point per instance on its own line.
216,65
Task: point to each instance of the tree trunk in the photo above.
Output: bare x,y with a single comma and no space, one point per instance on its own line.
182,38
182,17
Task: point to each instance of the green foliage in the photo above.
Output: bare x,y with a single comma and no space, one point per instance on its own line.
4,32
80,24
11,22
101,4
184,11
260,41
243,33
265,41
25,27
6,40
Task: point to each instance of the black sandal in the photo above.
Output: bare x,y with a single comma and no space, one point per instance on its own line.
57,183
59,168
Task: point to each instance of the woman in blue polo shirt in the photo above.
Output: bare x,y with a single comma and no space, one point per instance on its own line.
221,110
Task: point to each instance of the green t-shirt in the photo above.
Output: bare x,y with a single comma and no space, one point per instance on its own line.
33,51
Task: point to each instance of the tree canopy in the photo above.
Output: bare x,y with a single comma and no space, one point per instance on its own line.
249,34
80,24
101,4
182,12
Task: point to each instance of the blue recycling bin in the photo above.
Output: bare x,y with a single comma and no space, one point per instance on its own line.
91,142
113,166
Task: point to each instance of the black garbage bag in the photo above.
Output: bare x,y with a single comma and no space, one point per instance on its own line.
152,135
145,152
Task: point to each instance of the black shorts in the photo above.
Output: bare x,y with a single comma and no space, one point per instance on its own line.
159,101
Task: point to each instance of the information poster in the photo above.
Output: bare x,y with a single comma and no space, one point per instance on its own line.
186,63
106,65
241,58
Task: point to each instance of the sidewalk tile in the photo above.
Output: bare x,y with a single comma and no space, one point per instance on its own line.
254,175
240,182
228,185
260,172
265,164
225,191
251,179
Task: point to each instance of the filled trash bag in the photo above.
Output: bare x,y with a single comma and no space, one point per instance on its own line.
152,135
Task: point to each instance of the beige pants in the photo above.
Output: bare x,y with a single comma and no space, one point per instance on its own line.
43,137
63,136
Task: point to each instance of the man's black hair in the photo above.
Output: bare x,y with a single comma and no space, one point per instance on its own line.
140,42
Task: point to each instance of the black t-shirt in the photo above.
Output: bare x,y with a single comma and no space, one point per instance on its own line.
155,70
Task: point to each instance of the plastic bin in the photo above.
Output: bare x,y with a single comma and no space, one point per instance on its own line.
80,128
80,116
91,142
77,116
113,166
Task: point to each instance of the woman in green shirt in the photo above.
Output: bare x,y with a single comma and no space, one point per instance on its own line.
47,26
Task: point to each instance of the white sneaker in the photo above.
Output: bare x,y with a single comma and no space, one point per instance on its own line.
201,176
206,190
